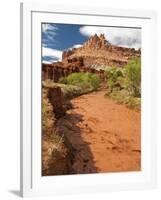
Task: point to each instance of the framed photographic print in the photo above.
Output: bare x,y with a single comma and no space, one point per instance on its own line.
87,99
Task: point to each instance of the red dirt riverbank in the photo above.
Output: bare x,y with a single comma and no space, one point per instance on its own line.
105,136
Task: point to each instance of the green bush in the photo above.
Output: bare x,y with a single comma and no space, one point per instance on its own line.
133,77
69,91
124,84
123,97
86,81
114,78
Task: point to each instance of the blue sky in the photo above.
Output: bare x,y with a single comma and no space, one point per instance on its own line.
58,37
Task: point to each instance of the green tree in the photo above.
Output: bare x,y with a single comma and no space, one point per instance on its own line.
133,77
114,77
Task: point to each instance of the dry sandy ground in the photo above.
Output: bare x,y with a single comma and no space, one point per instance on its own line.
106,137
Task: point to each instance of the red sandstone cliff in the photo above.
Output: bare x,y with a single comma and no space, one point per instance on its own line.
94,56
98,53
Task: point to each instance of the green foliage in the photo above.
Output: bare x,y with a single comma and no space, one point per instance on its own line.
123,97
133,77
114,77
125,84
86,81
69,91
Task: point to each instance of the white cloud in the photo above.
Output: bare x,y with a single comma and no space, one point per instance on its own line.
49,32
77,46
53,53
127,37
48,27
46,62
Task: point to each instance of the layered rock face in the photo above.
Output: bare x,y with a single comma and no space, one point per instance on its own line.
94,56
96,42
98,53
57,70
56,98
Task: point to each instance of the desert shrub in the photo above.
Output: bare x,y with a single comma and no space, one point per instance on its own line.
47,113
54,154
133,77
119,96
63,80
69,91
123,97
134,102
86,81
57,141
114,78
124,85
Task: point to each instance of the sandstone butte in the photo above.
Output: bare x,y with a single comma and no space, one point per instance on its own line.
94,56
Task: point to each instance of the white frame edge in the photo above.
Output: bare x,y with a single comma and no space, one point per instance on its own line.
26,83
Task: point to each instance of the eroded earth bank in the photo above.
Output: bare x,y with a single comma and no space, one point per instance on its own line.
105,136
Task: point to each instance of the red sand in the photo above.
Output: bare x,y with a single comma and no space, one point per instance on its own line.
106,136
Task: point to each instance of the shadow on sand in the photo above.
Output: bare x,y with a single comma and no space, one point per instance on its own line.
83,162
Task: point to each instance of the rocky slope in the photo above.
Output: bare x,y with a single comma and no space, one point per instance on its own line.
94,56
98,53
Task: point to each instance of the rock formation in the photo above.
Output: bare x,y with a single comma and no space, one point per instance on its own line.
94,56
96,42
56,98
